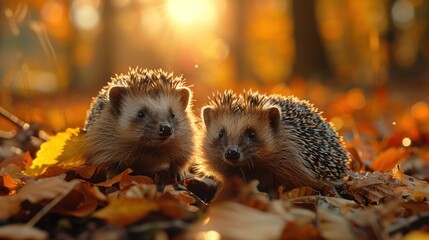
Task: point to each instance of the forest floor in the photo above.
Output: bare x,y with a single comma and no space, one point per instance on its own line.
47,190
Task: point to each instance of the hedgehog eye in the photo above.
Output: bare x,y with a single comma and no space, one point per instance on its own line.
221,133
251,134
172,115
140,114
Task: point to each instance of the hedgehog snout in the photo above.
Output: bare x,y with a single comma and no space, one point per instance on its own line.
165,130
232,154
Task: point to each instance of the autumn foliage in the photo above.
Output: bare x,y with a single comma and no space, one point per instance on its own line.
55,193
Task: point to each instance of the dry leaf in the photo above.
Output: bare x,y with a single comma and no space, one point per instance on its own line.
388,159
299,192
115,179
235,221
333,225
80,202
42,189
373,187
7,182
65,150
125,211
20,231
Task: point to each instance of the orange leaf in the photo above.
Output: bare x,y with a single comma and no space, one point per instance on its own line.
388,159
7,181
125,211
115,179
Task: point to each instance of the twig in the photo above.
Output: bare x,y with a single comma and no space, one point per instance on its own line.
13,119
50,205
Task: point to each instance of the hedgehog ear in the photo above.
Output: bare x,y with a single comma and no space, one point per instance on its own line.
115,97
185,96
207,113
274,116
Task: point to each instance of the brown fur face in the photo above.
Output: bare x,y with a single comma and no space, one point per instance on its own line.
239,140
153,120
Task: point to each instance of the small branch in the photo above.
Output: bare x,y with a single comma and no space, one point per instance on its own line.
50,205
13,119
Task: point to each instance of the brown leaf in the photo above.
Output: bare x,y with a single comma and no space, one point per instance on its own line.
173,207
19,231
80,202
373,187
42,189
235,221
416,189
182,196
125,211
115,179
299,192
388,159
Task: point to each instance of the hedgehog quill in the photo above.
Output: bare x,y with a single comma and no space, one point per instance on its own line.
280,141
142,120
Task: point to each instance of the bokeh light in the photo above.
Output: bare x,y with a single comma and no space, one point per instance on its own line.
185,12
85,15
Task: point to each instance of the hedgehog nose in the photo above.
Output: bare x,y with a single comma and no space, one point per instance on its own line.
165,130
232,154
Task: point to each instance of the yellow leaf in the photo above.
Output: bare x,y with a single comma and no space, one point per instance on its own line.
125,211
64,150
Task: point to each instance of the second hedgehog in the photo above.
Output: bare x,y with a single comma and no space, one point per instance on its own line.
141,120
280,141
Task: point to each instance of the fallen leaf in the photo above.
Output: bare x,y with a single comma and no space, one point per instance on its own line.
20,231
125,211
388,159
236,221
43,189
80,202
65,150
417,235
373,187
115,179
7,182
333,225
298,192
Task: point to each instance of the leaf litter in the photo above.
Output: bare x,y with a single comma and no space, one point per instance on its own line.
55,195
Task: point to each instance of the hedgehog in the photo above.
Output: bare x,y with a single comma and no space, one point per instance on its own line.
142,120
278,140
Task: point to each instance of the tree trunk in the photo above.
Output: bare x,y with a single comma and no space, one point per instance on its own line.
310,56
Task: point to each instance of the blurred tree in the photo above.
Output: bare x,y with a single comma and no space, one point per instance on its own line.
310,56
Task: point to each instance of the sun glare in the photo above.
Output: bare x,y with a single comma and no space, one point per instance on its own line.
187,11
